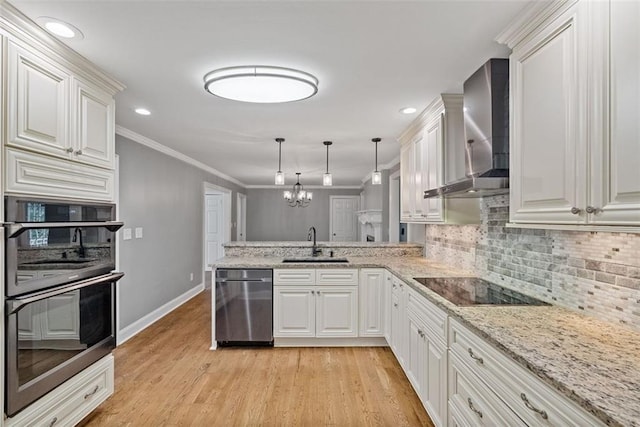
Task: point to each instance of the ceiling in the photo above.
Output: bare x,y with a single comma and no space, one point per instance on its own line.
371,57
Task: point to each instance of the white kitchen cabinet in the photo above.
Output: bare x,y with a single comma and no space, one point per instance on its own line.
575,133
388,286
94,131
372,304
497,377
337,311
315,303
294,311
424,165
399,344
38,102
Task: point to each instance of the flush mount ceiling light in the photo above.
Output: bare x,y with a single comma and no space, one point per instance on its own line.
326,178
279,174
142,111
60,28
376,176
298,197
261,84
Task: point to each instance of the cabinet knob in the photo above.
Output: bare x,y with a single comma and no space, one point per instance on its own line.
69,150
395,304
313,292
591,210
575,211
78,152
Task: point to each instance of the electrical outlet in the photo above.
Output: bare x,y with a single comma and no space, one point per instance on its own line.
126,234
138,232
191,277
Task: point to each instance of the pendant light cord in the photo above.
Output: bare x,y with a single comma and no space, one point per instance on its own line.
376,140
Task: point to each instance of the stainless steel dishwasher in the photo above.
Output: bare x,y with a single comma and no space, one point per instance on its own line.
244,307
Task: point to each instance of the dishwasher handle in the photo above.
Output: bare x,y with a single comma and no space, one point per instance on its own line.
224,280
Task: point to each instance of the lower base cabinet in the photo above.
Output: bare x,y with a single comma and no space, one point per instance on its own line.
69,403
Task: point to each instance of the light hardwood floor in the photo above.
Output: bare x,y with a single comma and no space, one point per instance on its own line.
167,376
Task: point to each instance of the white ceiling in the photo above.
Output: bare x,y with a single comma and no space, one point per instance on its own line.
371,57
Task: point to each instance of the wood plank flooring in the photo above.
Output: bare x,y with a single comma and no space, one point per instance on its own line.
167,376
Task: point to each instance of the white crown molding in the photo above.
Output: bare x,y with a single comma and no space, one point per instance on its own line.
148,142
531,17
437,107
27,31
307,187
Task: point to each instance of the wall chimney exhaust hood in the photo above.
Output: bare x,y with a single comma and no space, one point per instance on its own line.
486,125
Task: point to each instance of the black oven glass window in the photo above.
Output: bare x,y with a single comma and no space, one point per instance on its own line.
54,330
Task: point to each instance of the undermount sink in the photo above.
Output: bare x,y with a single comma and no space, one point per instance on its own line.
59,261
315,260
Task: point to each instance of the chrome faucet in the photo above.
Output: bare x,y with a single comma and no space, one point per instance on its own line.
314,250
77,235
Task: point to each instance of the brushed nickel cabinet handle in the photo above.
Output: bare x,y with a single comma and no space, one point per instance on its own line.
575,211
591,210
53,421
95,390
529,405
478,413
474,357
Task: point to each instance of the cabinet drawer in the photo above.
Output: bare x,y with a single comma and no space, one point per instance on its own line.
534,401
337,276
30,173
294,276
72,401
472,403
434,319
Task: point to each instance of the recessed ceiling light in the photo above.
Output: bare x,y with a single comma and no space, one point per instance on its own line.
408,110
60,28
143,111
261,84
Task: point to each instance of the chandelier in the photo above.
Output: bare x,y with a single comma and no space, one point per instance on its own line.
298,197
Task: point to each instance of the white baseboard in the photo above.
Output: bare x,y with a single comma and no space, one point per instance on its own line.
139,325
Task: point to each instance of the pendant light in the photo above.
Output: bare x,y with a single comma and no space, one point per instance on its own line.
298,197
326,178
279,174
376,176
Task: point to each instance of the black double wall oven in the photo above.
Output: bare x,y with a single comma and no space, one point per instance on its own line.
60,293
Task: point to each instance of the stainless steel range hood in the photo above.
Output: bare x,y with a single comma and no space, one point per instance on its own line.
486,123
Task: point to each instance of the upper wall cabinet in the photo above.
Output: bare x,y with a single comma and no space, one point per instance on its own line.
60,134
575,135
424,164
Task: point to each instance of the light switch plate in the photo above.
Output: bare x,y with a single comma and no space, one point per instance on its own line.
126,234
138,232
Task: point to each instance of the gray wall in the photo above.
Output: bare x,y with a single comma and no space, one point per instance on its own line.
270,218
165,197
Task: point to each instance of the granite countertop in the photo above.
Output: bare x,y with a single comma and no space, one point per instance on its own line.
594,363
307,244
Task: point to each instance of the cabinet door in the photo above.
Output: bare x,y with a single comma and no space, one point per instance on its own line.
434,380
388,282
38,104
61,317
432,170
372,303
419,168
615,155
337,311
415,360
94,132
548,158
294,311
406,182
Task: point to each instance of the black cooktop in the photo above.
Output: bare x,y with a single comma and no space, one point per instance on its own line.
465,291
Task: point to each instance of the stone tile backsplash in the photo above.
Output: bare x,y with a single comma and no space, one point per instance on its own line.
597,273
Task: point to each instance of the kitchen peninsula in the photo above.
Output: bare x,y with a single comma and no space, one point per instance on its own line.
555,355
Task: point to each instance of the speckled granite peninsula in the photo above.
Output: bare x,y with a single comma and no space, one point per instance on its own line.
593,363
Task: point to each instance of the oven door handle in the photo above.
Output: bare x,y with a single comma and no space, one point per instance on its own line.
16,228
15,304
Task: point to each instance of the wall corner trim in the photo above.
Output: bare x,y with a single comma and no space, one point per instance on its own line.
148,142
141,324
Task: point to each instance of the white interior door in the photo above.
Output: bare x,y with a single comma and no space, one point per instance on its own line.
241,211
344,222
214,227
